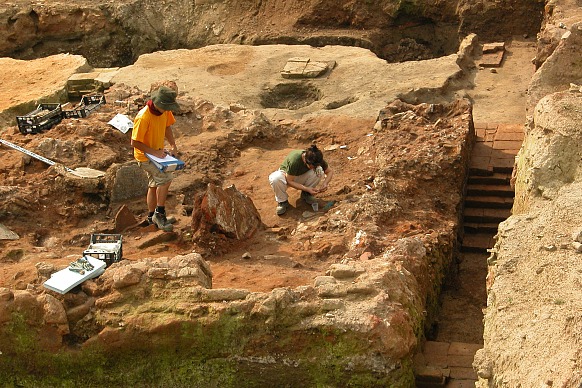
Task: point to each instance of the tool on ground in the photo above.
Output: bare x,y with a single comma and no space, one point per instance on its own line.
328,205
83,172
81,265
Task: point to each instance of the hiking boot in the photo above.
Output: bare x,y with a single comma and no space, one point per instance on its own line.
282,207
169,220
162,222
308,198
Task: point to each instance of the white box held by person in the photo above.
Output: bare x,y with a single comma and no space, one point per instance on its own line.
166,164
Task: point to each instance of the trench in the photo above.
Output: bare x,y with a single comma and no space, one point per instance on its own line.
457,333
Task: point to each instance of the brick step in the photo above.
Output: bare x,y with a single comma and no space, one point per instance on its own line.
492,202
503,166
430,377
507,169
479,171
441,364
477,243
484,215
490,190
460,384
472,228
492,179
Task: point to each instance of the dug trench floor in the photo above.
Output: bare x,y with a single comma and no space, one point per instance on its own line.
447,357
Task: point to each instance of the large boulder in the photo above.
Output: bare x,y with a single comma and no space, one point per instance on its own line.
226,211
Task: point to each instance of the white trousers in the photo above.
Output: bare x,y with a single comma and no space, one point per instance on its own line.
278,181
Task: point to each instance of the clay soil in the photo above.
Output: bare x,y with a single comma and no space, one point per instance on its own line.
55,226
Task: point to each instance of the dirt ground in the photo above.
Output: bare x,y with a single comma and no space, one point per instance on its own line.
280,255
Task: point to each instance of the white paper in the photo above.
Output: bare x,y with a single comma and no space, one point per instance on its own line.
168,163
166,159
121,122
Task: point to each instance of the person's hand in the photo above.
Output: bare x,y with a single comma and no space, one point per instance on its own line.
159,154
173,151
323,188
311,190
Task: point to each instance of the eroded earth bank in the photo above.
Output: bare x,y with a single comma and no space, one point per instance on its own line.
237,296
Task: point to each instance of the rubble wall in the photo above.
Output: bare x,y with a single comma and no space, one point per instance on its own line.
157,322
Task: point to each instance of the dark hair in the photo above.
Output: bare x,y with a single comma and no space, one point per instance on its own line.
313,156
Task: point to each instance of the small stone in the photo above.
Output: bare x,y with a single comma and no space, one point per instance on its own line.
6,294
308,214
577,246
321,280
493,71
577,235
550,248
246,256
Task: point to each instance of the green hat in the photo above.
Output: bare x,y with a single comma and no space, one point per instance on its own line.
165,98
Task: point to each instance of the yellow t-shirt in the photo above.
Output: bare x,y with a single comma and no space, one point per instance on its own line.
150,130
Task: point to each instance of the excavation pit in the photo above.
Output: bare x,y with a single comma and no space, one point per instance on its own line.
292,96
309,288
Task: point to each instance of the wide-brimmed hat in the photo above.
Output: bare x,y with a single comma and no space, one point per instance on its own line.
165,98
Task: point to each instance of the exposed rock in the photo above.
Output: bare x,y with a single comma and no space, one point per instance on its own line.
322,280
468,51
126,181
124,218
342,271
45,269
305,68
226,211
5,294
126,276
557,72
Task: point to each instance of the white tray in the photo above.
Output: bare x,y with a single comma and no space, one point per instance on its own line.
65,280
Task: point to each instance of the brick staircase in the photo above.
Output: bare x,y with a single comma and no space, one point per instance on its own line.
488,201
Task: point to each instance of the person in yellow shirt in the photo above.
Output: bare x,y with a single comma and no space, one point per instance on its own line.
151,128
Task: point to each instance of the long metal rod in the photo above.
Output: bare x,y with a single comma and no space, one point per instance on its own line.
30,153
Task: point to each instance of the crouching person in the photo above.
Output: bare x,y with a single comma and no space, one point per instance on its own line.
301,170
